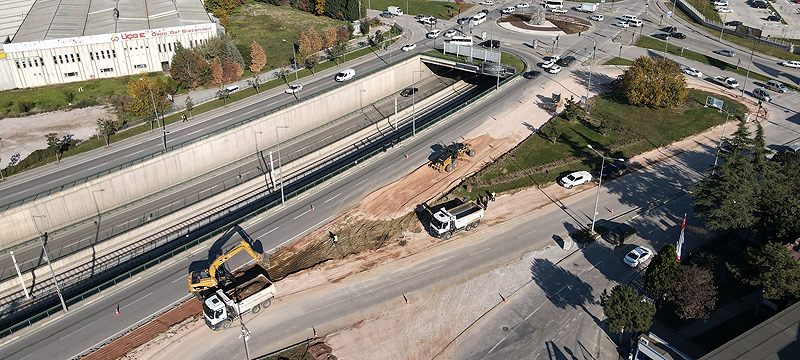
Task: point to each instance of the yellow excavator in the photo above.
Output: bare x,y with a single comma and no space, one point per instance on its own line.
205,279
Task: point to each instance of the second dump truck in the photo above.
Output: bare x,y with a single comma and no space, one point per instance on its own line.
447,221
250,291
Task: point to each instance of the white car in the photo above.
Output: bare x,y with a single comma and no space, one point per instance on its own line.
622,24
433,33
596,17
487,2
523,5
721,3
693,72
408,47
554,69
638,256
345,75
575,178
792,64
508,10
724,10
550,61
558,11
450,33
294,88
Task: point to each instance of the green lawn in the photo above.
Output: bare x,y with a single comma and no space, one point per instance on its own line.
619,61
704,7
439,9
508,59
537,161
658,45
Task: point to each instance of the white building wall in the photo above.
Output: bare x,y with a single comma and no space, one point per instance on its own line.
58,61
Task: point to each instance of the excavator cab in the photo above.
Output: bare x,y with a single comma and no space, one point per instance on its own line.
216,274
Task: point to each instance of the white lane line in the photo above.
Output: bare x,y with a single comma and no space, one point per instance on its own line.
137,299
335,196
178,279
303,213
268,232
81,328
361,182
476,253
302,232
528,233
496,345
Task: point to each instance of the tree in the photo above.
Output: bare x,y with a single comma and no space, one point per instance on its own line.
69,95
223,95
551,131
283,73
320,7
311,62
395,29
337,51
662,272
779,204
257,57
573,111
106,127
189,68
216,72
695,293
773,268
331,37
364,27
57,144
147,93
231,70
378,38
654,83
626,310
310,44
232,52
255,83
189,105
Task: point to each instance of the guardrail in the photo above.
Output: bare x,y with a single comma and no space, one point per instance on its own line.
197,235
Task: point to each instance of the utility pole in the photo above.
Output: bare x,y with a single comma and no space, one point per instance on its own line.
277,138
21,279
42,238
747,77
599,184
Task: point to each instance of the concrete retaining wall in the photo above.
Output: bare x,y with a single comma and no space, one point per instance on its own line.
86,200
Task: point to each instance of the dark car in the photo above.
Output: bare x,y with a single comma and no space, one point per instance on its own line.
678,35
773,18
387,14
408,91
531,74
492,44
566,61
733,23
614,169
669,29
616,233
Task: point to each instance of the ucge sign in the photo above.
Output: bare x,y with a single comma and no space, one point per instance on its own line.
129,36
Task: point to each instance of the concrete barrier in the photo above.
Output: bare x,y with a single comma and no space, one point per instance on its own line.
84,201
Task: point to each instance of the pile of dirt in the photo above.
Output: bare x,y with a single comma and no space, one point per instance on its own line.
569,24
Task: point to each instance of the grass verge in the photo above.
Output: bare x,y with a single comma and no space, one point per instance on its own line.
649,42
438,9
538,161
619,61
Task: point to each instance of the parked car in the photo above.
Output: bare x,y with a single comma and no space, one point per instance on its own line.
492,44
566,61
760,4
408,47
725,52
693,72
523,5
614,169
575,178
508,10
622,24
724,10
558,11
345,75
617,234
464,20
420,16
554,69
484,11
450,33
409,91
596,17
775,18
638,256
733,23
531,74
721,3
487,2
294,88
761,94
387,14
792,64
433,33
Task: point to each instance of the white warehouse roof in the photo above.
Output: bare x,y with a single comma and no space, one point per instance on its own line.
57,19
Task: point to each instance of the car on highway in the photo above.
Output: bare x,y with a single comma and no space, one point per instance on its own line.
622,24
720,3
554,69
492,44
614,169
733,23
670,29
777,86
549,61
791,63
508,10
430,21
345,75
678,35
523,5
409,91
433,33
617,234
638,256
294,88
596,17
693,72
484,11
724,10
760,4
408,47
725,52
566,61
575,178
531,74
558,11
450,33
487,2
761,94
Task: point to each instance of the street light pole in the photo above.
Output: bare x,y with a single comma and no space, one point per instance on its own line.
47,258
719,146
599,184
277,138
747,77
294,54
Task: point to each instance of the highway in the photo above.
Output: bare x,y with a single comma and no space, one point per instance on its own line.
91,322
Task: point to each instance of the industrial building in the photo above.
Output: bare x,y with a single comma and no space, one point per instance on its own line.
61,41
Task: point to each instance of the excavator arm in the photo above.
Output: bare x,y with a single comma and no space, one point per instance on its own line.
208,278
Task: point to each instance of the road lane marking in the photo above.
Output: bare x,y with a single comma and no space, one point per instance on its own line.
137,299
303,232
268,232
361,182
81,328
528,233
336,196
476,253
303,213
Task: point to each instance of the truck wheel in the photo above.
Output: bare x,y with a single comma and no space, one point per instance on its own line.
447,235
226,324
471,152
266,303
256,309
475,224
449,167
468,227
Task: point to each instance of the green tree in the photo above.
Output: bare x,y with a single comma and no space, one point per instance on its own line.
189,105
659,278
232,52
779,206
365,28
311,62
223,95
69,95
573,111
551,131
654,82
57,144
378,38
773,268
695,293
147,93
107,127
189,68
626,310
255,82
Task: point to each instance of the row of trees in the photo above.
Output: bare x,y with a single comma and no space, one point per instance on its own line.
216,62
347,10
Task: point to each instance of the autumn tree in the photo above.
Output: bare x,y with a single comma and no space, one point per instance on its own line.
189,105
257,58
654,83
331,37
231,70
773,268
694,293
217,74
146,93
659,278
310,43
106,128
189,68
626,310
319,9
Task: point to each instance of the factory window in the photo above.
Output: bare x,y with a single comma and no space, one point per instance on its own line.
60,59
36,62
140,66
54,60
103,54
170,46
91,55
159,48
114,52
78,55
71,74
17,62
107,70
72,57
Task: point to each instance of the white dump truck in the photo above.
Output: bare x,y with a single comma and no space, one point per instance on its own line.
249,291
447,221
727,82
587,8
395,10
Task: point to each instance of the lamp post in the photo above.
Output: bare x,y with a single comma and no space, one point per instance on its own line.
294,54
719,146
599,183
589,82
747,77
722,26
47,258
259,157
153,99
277,138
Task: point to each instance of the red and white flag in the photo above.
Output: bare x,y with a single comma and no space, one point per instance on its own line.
681,238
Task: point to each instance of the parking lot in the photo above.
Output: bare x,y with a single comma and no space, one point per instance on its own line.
757,18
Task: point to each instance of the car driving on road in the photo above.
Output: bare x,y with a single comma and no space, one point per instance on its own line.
433,33
761,94
508,10
408,91
638,256
294,88
345,75
596,17
575,178
566,61
693,72
725,52
549,61
554,69
408,47
523,5
791,63
450,33
622,24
